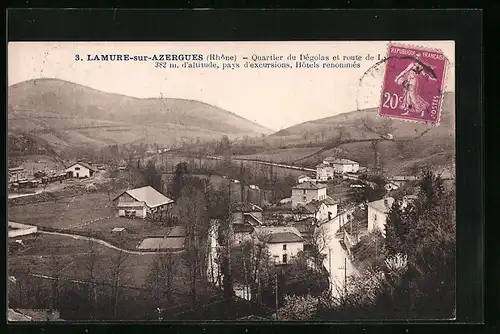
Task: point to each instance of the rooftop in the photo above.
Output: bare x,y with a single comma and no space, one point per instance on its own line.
242,228
16,169
382,205
333,160
309,185
279,234
149,195
322,165
246,207
284,237
162,243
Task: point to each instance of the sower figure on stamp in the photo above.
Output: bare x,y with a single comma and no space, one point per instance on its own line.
408,79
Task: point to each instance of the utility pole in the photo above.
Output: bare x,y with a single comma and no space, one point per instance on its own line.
246,279
330,267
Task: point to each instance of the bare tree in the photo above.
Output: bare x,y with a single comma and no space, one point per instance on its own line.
161,277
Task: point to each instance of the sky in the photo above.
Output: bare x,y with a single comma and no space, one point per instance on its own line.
273,97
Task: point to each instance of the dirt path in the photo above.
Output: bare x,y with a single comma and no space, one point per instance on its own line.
107,244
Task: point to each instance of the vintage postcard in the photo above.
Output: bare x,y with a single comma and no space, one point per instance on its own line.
231,181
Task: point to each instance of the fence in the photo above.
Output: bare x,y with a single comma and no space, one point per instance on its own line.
349,242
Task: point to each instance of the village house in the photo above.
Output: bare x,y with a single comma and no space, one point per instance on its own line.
246,212
17,174
306,229
242,232
342,166
322,211
283,242
33,315
307,192
377,214
80,170
324,172
141,203
303,178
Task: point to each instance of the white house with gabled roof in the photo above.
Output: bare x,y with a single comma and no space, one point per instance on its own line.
141,202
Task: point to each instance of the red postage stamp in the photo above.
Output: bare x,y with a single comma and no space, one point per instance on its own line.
413,84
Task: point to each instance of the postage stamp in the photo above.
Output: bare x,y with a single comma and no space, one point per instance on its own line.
413,84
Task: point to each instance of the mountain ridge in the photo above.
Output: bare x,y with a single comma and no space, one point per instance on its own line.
63,113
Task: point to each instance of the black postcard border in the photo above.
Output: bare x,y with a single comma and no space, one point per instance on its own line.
463,26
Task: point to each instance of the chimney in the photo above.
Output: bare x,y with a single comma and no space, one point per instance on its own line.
90,163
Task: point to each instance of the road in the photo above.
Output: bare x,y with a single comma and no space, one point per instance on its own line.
336,257
106,244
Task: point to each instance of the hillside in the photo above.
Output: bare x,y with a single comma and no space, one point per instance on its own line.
351,123
66,115
436,147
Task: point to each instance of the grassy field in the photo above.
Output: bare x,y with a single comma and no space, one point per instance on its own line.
86,213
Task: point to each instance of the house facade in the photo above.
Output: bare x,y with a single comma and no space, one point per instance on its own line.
283,242
307,192
17,174
316,209
141,203
242,212
342,166
80,170
324,172
377,214
400,180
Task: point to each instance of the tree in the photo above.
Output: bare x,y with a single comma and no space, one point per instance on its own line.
373,188
298,308
424,231
152,177
116,275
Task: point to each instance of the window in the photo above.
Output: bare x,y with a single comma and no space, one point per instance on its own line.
284,258
284,247
304,198
303,191
77,168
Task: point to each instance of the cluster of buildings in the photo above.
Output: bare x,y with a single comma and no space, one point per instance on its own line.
19,177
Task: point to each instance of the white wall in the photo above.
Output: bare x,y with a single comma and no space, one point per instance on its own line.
82,172
376,220
304,196
304,179
292,248
21,229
